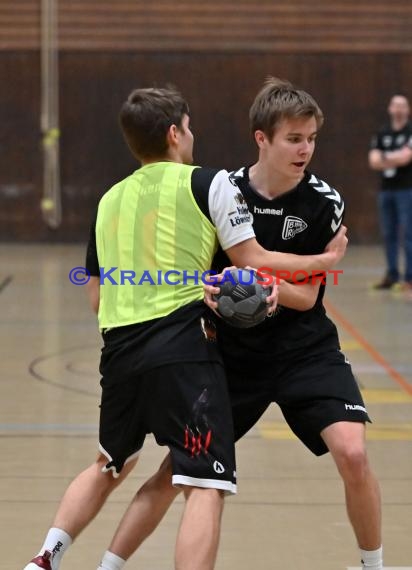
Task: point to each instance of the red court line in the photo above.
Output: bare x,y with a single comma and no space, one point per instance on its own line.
377,356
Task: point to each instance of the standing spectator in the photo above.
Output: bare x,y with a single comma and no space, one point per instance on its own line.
391,154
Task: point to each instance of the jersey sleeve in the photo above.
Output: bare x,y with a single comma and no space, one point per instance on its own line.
374,143
201,180
330,220
331,213
92,261
229,211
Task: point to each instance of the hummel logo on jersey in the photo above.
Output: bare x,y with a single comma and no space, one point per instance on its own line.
355,407
329,192
292,226
271,211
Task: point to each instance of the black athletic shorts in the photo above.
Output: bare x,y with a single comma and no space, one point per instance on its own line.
313,392
186,407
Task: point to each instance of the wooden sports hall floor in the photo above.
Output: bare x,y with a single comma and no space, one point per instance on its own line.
289,513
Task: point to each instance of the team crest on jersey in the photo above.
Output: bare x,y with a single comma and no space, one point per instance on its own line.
293,226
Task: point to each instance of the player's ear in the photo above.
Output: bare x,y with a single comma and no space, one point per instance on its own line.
172,136
260,138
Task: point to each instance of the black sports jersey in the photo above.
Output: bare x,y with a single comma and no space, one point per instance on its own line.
301,221
399,178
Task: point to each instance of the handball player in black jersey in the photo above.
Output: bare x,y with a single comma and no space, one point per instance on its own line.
160,372
294,357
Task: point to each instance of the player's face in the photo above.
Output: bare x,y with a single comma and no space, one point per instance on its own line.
292,146
399,108
186,141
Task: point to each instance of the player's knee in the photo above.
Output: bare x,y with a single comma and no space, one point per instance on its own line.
106,479
209,495
353,464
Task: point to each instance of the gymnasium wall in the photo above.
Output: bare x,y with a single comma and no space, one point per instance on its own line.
350,55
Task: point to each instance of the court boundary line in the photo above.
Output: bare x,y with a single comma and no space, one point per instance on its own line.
373,352
6,281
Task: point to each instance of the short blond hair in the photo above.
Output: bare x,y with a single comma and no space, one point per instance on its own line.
277,100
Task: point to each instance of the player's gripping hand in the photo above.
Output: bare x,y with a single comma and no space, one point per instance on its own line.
211,289
272,300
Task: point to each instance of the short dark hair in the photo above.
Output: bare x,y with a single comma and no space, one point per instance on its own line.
399,94
146,117
277,100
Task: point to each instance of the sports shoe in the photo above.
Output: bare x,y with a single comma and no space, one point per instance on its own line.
42,561
386,283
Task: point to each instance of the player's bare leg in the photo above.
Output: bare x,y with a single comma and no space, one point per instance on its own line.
86,495
145,512
199,532
81,502
346,442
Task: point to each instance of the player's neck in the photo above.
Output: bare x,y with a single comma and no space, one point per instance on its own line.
399,124
172,155
156,160
269,182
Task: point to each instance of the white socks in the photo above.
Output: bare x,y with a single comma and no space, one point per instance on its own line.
372,559
57,542
111,561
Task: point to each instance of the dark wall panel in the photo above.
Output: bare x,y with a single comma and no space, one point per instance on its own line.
20,145
284,26
352,89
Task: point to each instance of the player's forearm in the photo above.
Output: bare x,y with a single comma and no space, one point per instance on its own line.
391,160
382,160
300,297
290,263
379,160
375,160
400,157
251,253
